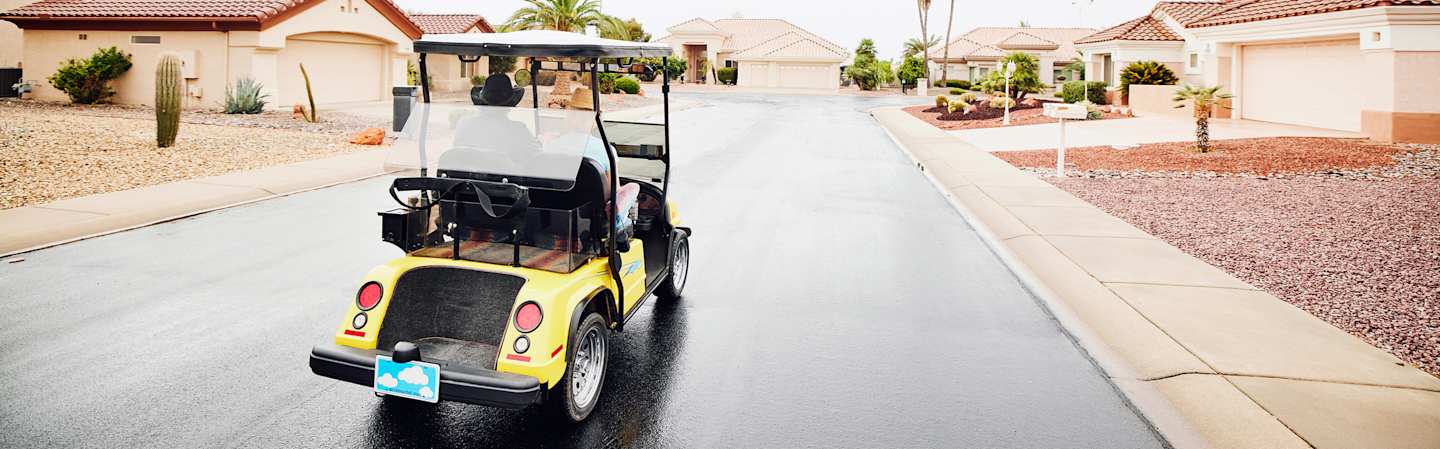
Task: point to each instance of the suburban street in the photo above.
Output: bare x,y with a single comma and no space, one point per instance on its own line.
834,300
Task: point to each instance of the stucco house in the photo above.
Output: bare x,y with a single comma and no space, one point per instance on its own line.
973,55
1368,66
354,50
11,38
449,73
766,52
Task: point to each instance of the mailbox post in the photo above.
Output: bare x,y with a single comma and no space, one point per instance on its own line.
1008,70
1063,111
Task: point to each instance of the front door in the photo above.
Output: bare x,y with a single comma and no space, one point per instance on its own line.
694,59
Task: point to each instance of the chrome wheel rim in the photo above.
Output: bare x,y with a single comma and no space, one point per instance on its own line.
682,265
589,368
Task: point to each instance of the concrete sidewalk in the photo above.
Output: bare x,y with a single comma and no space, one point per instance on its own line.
1209,359
1131,131
30,228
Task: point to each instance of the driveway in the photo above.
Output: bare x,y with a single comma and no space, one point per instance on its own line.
835,300
1132,131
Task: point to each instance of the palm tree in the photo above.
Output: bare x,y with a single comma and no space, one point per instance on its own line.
626,30
949,25
924,7
562,15
1204,100
914,46
866,50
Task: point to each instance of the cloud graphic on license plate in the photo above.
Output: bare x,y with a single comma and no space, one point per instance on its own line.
387,381
414,375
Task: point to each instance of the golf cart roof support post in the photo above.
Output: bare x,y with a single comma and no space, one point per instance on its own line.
665,101
535,83
424,79
611,213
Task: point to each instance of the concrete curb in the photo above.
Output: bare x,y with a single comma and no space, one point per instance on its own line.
30,228
1209,360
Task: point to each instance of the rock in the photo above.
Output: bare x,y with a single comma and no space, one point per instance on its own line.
370,136
297,112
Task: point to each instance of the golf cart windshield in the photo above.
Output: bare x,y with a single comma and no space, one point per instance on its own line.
539,148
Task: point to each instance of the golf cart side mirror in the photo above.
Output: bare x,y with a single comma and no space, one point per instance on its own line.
640,68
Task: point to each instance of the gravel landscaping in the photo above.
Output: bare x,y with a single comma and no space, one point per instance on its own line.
51,152
1018,117
1348,231
336,123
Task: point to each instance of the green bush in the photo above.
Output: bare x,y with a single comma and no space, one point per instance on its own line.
522,77
1092,112
87,81
607,82
1146,73
726,75
477,80
958,84
627,85
244,97
911,70
957,91
1074,92
501,64
673,66
870,74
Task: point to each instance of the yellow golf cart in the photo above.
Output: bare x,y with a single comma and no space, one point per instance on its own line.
530,236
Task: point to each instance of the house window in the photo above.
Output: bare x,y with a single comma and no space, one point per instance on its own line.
729,63
1194,60
84,37
144,39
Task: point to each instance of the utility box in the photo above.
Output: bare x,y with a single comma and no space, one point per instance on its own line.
1066,111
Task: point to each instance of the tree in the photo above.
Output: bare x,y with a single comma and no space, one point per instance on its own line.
1204,100
625,30
914,46
865,51
1024,24
562,15
911,70
924,7
1025,80
949,25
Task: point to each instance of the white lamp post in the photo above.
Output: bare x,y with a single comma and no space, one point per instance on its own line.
1007,71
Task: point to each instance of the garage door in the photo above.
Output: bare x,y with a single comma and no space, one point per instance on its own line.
808,76
340,72
754,74
1309,84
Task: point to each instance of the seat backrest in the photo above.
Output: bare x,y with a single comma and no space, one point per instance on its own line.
498,90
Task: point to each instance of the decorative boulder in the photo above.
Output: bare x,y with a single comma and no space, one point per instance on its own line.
370,136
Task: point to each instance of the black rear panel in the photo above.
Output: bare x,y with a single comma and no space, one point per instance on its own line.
436,306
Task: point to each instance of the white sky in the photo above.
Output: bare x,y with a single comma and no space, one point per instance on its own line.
844,21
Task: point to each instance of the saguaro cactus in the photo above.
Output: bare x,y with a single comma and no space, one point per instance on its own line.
314,114
168,87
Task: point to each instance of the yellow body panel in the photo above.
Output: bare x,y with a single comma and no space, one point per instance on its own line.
558,295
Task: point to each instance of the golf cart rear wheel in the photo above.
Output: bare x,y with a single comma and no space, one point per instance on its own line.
577,393
674,283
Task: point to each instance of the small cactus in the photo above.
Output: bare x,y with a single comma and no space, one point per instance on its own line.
168,86
968,97
958,105
313,115
941,101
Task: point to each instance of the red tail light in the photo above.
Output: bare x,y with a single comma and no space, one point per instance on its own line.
528,317
369,296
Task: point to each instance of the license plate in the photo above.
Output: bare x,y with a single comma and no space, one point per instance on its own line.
413,380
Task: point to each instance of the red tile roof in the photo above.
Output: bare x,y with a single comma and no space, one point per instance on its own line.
1146,28
248,11
450,23
1189,11
1241,11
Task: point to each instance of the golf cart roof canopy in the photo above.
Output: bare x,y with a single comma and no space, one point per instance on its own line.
536,43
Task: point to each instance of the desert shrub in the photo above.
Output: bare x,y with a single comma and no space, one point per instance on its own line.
477,80
1001,102
522,77
968,97
941,101
545,78
1092,112
627,85
1074,92
726,75
607,82
957,91
244,97
673,66
958,84
87,81
963,84
1146,73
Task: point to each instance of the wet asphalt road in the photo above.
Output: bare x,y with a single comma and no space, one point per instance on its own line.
834,300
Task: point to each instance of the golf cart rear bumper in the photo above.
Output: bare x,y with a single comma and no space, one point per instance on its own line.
490,388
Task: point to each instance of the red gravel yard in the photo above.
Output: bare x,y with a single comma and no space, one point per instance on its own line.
1018,117
1350,232
1266,156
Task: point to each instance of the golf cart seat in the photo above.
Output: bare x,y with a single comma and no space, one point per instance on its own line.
498,91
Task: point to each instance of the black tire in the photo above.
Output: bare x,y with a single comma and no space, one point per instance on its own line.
567,400
679,270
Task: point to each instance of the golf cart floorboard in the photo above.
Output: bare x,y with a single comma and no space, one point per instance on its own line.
450,352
